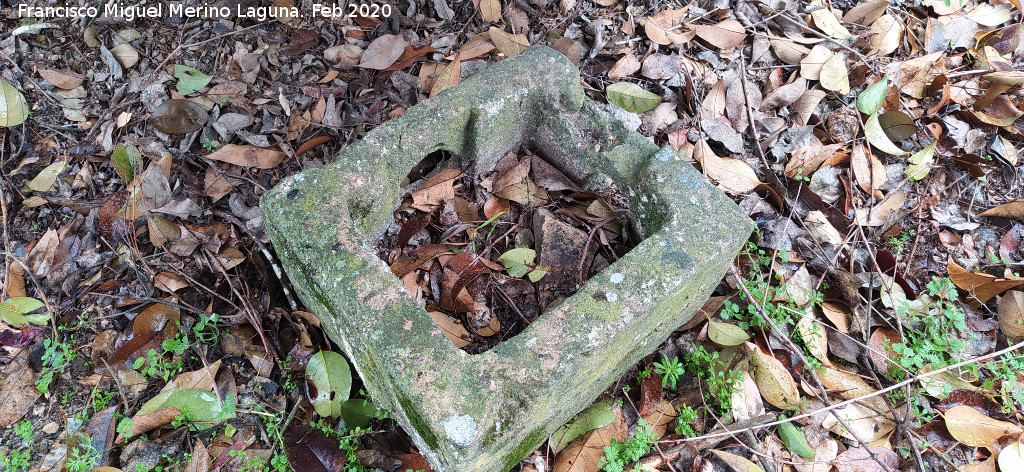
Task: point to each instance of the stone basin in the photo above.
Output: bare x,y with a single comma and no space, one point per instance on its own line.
485,412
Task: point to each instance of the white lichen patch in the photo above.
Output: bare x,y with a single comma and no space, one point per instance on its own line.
611,297
616,278
460,429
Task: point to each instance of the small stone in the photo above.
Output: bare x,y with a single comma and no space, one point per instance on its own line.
561,248
50,427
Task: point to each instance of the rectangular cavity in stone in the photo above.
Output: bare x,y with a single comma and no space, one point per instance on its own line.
513,242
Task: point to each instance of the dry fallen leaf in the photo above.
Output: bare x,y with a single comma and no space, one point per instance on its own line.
64,79
383,52
868,169
810,66
490,10
509,44
737,463
247,155
1013,210
434,191
878,214
723,35
449,76
584,452
858,459
980,286
774,381
1011,315
451,328
971,427
834,75
733,175
664,27
886,34
829,24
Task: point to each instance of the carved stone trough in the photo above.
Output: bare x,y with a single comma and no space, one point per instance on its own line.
483,413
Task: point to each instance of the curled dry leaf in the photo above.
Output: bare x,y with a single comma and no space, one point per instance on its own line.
980,286
971,427
624,67
868,169
664,27
881,352
876,136
583,454
247,155
449,76
810,66
451,328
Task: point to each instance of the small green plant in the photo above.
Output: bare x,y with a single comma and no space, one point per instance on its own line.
684,422
934,339
57,355
210,144
154,363
25,432
900,241
670,370
84,457
15,460
100,399
617,456
721,382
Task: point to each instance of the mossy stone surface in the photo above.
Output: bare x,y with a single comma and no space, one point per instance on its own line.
483,413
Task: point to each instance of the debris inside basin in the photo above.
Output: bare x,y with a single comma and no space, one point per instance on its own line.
487,254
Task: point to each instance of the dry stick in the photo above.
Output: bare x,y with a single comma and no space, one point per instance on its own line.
750,113
586,247
864,397
814,375
248,309
902,421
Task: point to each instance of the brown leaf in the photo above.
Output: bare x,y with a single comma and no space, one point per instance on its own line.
449,77
774,381
547,176
858,459
878,215
584,452
808,158
971,427
408,262
1013,210
64,79
713,105
17,389
247,155
1011,315
733,175
663,27
724,35
490,10
409,56
980,286
145,423
651,394
169,282
314,450
451,328
509,44
200,460
216,185
525,193
661,415
383,52
301,41
624,67
881,352
479,46
435,190
312,143
868,169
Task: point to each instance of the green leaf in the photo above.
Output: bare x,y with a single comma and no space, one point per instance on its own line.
517,256
631,97
44,181
13,311
920,162
598,415
358,412
536,274
516,270
328,382
795,440
127,161
726,334
190,80
13,107
871,99
201,406
876,136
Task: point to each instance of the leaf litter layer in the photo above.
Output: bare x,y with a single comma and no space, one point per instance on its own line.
486,254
